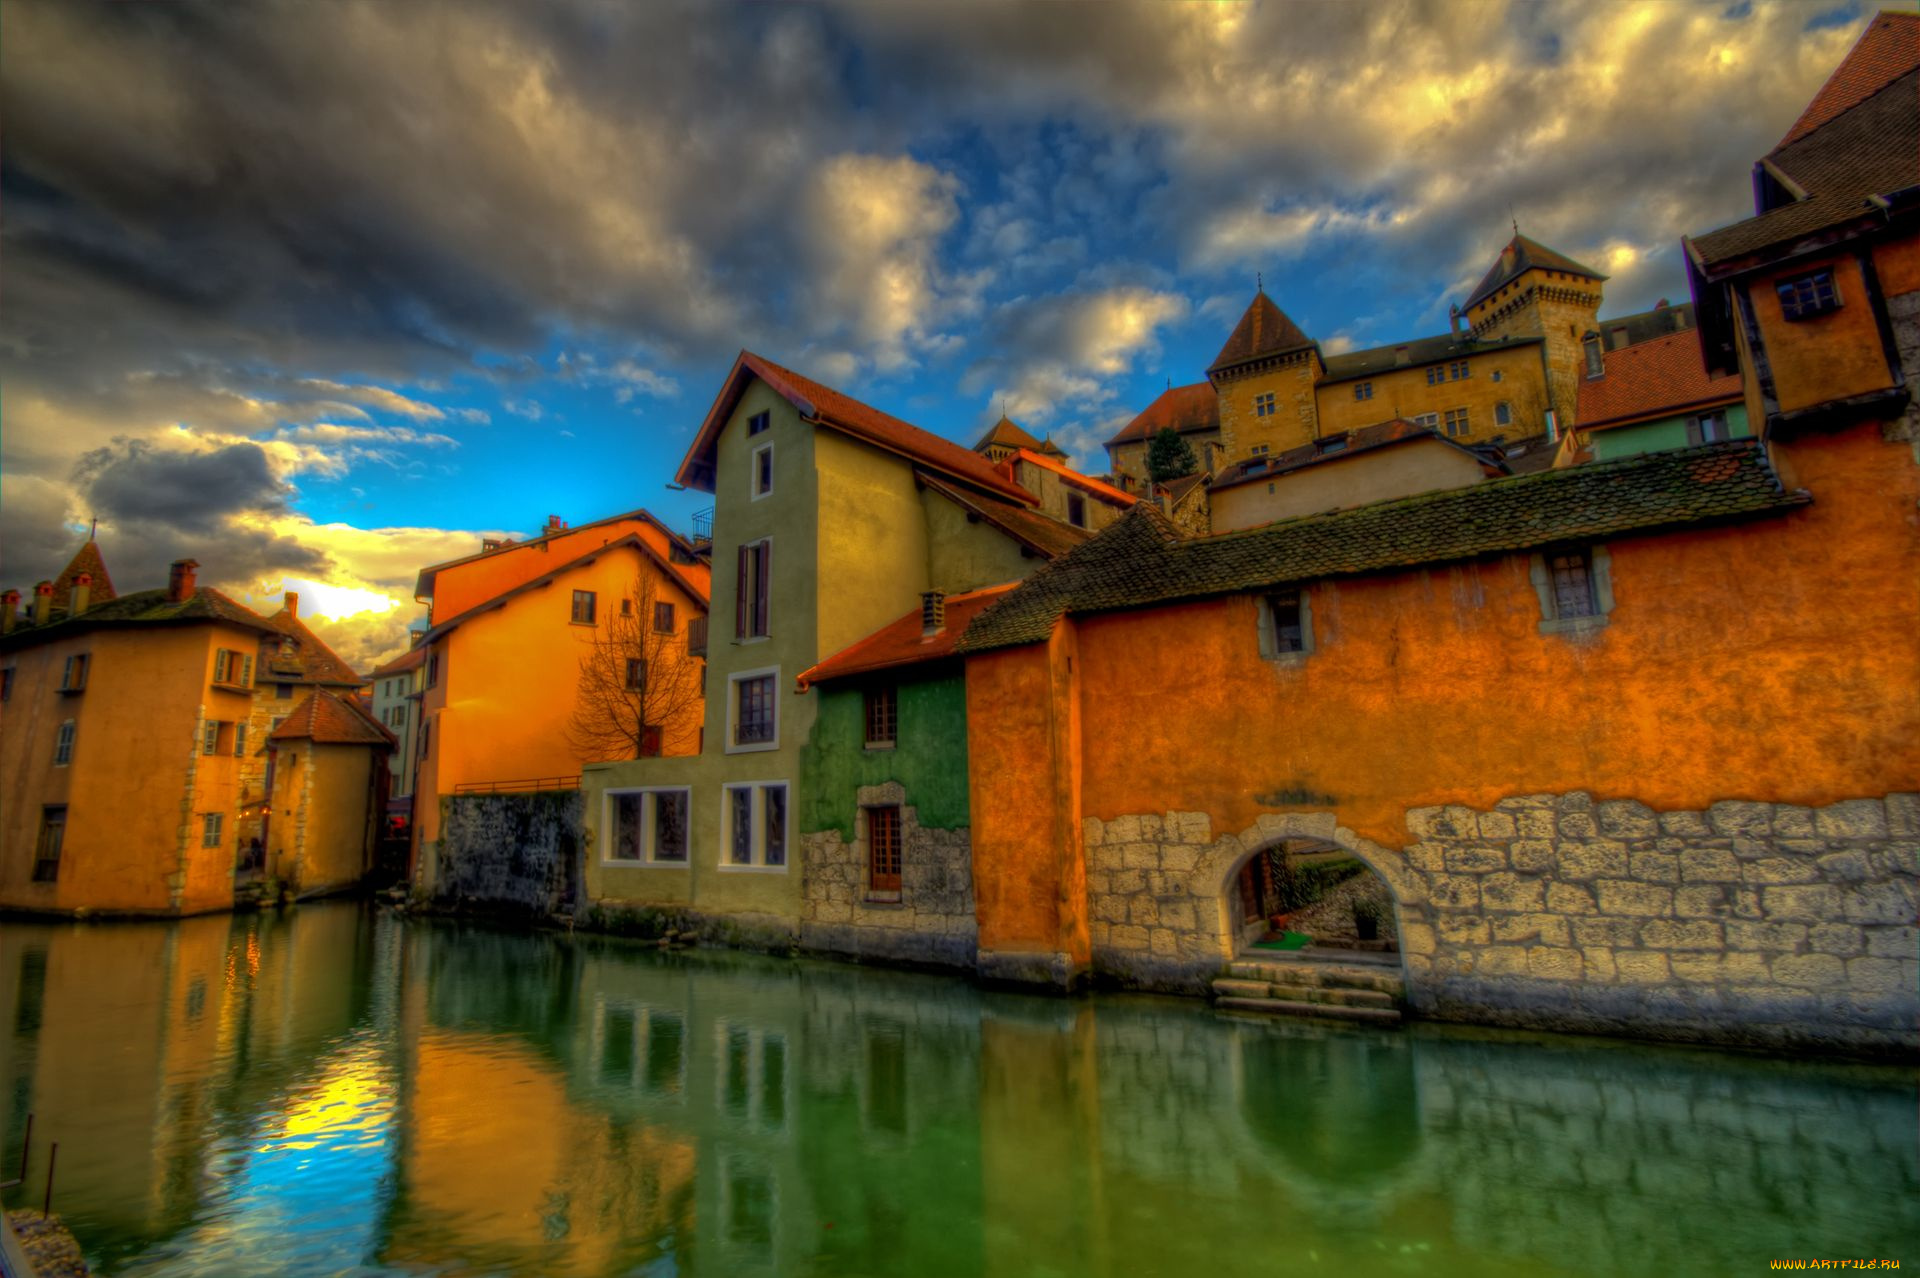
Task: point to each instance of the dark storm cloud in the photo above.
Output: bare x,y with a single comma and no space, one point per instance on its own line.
192,491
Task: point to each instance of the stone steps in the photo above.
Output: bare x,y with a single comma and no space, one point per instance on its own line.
1297,985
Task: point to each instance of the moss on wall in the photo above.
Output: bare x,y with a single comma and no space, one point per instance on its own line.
930,759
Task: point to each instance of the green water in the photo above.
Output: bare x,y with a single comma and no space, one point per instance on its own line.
335,1091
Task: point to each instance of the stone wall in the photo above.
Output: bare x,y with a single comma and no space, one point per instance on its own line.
933,919
1765,924
513,851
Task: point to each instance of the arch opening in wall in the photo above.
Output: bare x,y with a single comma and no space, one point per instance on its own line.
1310,894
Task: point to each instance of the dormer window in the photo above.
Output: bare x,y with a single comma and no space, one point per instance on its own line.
1596,361
1076,510
1805,296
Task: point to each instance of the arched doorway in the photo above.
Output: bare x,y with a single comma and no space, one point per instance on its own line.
1294,894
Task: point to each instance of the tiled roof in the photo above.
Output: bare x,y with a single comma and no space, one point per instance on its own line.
1644,326
1178,490
1098,487
424,588
1330,448
309,661
1885,51
1520,256
326,719
1264,330
141,608
1141,559
1181,408
1663,377
635,540
411,659
87,559
1007,434
828,407
1873,148
1042,534
904,642
1420,351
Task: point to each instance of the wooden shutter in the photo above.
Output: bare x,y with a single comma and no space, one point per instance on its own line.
764,554
740,593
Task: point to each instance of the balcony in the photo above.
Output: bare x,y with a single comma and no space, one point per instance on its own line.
703,525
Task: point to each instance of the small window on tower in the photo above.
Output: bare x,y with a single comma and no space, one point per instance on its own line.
1263,405
1805,296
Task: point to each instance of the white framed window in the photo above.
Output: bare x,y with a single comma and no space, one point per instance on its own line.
1457,422
1707,428
762,472
63,744
755,826
73,678
1430,420
1503,414
649,827
753,1081
753,710
210,825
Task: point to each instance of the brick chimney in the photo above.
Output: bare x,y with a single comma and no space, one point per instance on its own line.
42,603
291,602
9,611
180,575
933,612
1455,313
554,524
82,589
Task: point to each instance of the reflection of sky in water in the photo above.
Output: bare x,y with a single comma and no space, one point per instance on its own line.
304,1194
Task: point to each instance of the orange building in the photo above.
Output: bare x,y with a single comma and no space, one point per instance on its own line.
331,747
509,630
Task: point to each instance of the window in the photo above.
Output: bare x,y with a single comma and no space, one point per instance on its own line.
210,824
433,671
1285,626
1498,375
1076,510
233,668
1596,360
636,674
1575,588
883,710
1458,370
63,744
1456,422
762,471
1436,374
648,826
53,834
1707,428
284,691
663,618
210,736
756,718
239,740
1259,450
758,422
74,677
626,607
750,597
1430,420
584,602
1263,405
883,850
1503,414
1363,390
1805,296
754,824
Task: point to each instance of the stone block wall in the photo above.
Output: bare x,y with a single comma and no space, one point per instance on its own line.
1765,924
510,851
933,920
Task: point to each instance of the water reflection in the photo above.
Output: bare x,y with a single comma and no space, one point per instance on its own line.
327,1091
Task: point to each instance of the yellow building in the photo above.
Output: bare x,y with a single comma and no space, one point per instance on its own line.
510,630
327,747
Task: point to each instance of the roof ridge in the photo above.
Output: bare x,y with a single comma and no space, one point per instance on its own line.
1865,100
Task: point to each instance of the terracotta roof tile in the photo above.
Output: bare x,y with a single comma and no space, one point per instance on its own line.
1185,409
1662,377
1042,534
1885,51
1263,331
308,661
329,720
1520,256
1142,559
904,642
1098,487
87,559
411,659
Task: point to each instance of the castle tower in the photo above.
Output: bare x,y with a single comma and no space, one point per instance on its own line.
1532,291
1264,378
1005,439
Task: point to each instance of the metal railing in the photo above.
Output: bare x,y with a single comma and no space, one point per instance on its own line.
703,524
519,786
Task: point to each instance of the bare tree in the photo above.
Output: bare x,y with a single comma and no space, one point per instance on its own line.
640,692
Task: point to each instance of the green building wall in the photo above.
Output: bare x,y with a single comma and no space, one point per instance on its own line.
929,758
1659,436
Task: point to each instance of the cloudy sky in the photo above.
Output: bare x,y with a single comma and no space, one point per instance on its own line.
320,293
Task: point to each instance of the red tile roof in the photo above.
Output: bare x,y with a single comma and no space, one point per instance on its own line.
825,406
308,661
326,719
1098,487
1263,330
411,659
1007,433
1042,534
1661,378
1184,409
697,572
87,559
904,642
1885,51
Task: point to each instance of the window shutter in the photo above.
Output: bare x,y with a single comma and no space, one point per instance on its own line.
740,593
764,553
246,671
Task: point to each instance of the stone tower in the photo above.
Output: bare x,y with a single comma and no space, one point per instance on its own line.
1265,377
1532,291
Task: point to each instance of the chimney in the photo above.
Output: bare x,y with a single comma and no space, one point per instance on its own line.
42,603
9,611
82,588
933,612
1401,357
554,524
180,580
1455,315
291,602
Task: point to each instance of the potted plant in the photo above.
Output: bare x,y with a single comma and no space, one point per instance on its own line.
1366,918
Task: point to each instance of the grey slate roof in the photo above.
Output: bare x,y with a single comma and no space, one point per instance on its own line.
1142,559
141,608
1520,256
1421,350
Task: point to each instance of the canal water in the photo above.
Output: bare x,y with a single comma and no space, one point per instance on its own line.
335,1090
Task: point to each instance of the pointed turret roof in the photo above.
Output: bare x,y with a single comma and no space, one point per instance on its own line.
87,559
1520,256
1006,433
1263,331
